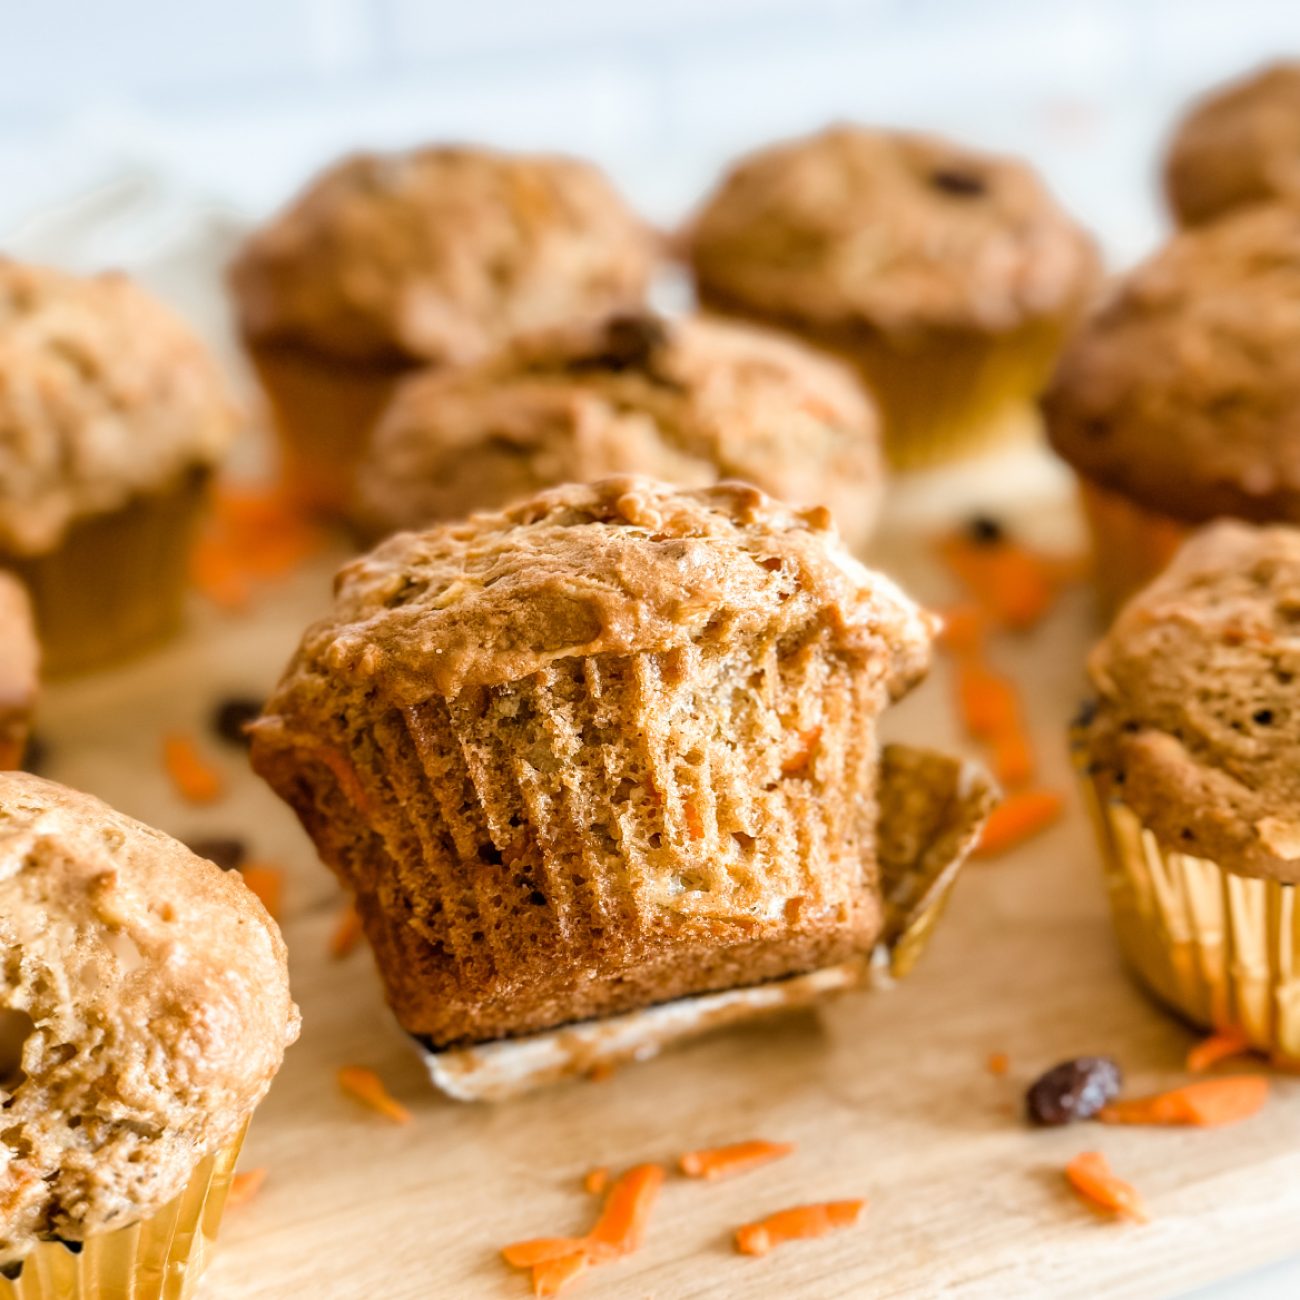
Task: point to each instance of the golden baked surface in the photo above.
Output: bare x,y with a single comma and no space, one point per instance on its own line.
104,395
440,254
144,1009
890,230
1239,145
19,653
1183,391
690,401
1198,723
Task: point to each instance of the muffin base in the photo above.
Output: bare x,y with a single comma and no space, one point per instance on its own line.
115,585
323,409
1219,949
159,1258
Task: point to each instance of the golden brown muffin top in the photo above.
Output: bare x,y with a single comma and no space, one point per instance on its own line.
626,565
1183,391
689,400
1198,725
890,230
144,1009
1239,145
440,255
19,653
104,395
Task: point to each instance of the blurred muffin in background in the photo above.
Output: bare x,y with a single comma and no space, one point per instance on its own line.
1180,400
385,264
112,418
947,277
612,746
688,401
19,662
1239,145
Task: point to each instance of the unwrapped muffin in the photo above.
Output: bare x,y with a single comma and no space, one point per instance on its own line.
1238,146
612,746
1179,401
385,264
689,401
112,417
19,662
947,277
144,1009
1191,762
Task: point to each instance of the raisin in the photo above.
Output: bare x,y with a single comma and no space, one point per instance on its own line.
12,1271
36,755
226,851
1262,717
984,530
1087,713
232,715
959,181
1075,1089
628,341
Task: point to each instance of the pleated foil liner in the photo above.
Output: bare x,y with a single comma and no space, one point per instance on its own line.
159,1258
932,809
1221,950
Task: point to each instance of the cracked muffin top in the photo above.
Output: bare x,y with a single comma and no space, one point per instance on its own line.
690,401
1183,391
440,255
104,395
891,230
1239,145
144,1009
1197,726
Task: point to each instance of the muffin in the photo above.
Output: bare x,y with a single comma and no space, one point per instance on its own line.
1180,400
19,659
144,1009
947,277
112,417
1189,760
386,264
612,746
1238,146
690,401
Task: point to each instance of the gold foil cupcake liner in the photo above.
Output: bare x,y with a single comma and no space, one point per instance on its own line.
158,1258
932,809
1221,950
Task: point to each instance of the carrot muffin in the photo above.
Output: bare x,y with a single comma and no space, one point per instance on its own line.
385,264
609,747
112,417
144,1009
948,277
1189,757
19,658
690,401
1240,145
1180,400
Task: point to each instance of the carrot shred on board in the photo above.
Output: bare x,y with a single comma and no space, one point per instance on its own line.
552,1276
1018,818
367,1087
964,630
997,1064
800,1223
541,1250
1208,1103
737,1158
987,701
1091,1176
694,822
347,932
267,882
1221,1045
195,779
244,1186
628,1204
595,1181
1014,586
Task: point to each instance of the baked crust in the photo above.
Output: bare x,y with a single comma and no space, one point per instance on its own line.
19,664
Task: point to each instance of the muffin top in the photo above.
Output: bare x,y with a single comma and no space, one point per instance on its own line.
1183,391
104,395
1239,145
891,230
1198,724
690,401
622,566
144,1008
19,653
440,255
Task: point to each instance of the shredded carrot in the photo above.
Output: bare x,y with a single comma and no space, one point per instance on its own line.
541,1250
1018,818
1015,586
964,630
244,1186
195,779
1222,1045
694,822
998,1063
1091,1176
986,701
623,1220
798,1224
1207,1103
267,882
738,1158
551,1277
347,932
798,756
596,1180
367,1087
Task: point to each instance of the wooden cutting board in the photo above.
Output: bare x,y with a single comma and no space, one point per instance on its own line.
886,1094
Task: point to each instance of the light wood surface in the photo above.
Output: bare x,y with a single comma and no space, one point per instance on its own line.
886,1094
